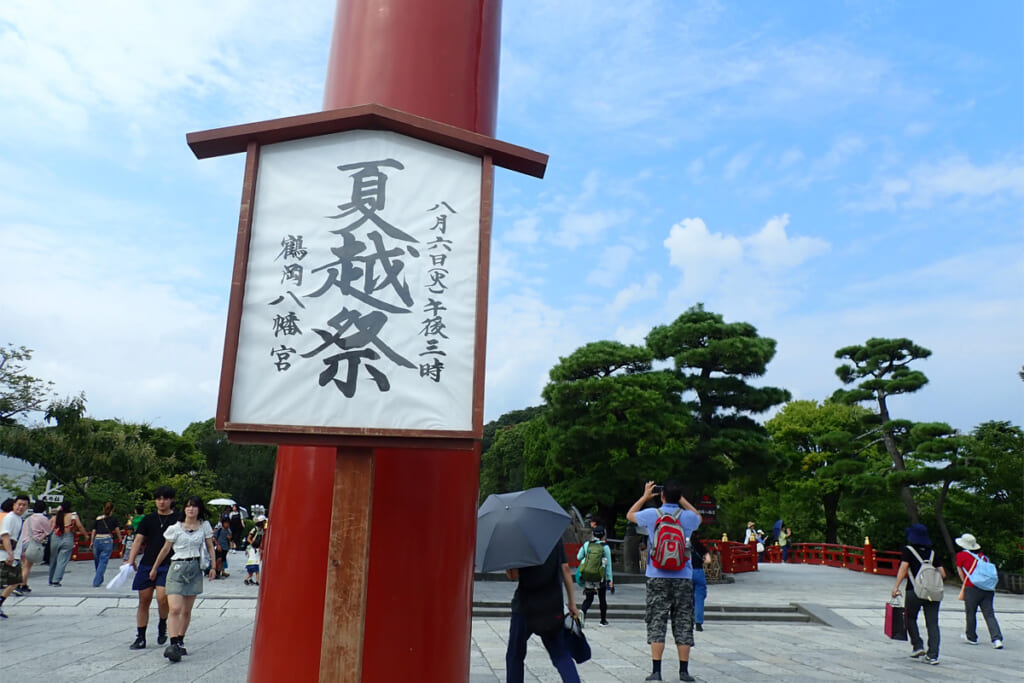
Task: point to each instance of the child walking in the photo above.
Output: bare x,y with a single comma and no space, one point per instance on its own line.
252,565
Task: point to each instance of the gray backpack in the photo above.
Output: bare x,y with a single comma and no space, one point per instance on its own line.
928,581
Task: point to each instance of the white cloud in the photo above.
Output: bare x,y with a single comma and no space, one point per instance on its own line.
103,318
699,254
739,163
577,228
695,169
647,62
67,65
525,338
753,273
638,291
791,156
956,178
773,249
524,231
611,265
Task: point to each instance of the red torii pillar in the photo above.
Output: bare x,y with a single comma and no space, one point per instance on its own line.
439,60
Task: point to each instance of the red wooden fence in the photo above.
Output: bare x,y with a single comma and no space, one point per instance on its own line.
743,557
81,550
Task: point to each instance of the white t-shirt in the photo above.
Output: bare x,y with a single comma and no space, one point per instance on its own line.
188,543
11,525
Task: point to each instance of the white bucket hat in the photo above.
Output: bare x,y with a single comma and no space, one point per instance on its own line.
968,542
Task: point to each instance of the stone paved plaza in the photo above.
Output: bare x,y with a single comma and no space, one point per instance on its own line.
78,633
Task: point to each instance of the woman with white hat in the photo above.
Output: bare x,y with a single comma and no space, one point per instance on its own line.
978,590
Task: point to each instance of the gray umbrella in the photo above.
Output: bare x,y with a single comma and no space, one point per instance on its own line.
517,529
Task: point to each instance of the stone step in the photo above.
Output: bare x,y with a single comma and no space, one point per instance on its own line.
733,613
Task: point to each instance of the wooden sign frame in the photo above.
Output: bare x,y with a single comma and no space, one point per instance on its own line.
249,138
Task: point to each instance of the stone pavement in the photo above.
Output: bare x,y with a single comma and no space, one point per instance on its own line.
77,633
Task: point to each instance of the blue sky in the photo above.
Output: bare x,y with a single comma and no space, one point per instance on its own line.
827,172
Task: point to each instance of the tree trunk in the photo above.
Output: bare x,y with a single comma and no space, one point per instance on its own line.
897,461
608,517
940,503
830,502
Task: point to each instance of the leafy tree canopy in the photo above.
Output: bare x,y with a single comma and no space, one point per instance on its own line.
880,367
20,393
611,423
713,359
244,471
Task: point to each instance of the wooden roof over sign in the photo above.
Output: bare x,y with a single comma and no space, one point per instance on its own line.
235,139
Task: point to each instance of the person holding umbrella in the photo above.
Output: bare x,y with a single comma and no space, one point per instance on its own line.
521,533
537,608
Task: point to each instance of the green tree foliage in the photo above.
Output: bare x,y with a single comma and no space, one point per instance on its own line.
245,471
713,361
990,505
611,424
942,458
80,452
101,460
20,393
503,463
880,369
822,459
509,419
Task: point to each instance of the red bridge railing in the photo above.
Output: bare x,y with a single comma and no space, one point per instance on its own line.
81,550
743,557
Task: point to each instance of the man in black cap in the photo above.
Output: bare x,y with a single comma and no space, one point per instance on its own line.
916,553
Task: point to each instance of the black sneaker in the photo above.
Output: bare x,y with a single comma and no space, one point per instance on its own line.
173,652
19,592
26,589
686,677
698,627
182,650
161,636
653,677
2,615
139,644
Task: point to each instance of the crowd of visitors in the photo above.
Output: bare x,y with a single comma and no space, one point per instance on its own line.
165,550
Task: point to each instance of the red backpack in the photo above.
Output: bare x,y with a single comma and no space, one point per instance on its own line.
670,553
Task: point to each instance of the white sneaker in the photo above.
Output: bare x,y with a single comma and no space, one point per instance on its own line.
963,637
997,644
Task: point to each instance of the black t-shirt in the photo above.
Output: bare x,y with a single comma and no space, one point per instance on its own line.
152,527
538,596
925,552
105,525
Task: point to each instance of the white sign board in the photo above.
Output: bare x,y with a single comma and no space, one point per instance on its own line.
360,294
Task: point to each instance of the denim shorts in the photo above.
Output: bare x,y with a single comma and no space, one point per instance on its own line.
142,581
185,577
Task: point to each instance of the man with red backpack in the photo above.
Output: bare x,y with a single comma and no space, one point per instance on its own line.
669,571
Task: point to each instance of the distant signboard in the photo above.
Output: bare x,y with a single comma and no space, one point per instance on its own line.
52,498
707,508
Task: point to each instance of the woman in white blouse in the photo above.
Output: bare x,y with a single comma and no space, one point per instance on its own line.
185,577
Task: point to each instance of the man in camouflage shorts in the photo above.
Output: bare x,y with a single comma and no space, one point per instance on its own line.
669,593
